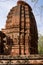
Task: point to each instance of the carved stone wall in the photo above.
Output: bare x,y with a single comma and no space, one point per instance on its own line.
22,29
21,60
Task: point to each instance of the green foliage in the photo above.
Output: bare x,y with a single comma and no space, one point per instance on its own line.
40,44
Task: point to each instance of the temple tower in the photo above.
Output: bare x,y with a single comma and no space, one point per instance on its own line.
22,29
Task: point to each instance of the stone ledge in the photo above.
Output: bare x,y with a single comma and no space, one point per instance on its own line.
22,59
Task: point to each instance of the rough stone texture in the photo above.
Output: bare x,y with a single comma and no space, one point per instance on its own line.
21,59
21,28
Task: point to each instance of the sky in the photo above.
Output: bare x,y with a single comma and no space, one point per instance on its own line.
37,8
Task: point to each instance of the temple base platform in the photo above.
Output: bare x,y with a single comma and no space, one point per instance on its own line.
21,60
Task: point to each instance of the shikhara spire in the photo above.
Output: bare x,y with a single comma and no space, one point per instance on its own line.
21,28
21,0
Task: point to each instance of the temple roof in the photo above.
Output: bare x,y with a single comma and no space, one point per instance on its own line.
24,3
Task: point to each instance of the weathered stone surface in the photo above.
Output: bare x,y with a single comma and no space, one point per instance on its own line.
22,29
21,59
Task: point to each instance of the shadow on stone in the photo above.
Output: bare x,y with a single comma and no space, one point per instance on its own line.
5,44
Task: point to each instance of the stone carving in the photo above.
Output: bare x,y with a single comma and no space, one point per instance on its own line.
22,29
12,60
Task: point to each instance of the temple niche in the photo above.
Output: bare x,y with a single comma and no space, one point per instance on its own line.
22,29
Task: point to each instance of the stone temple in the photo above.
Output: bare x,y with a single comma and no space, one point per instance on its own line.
22,29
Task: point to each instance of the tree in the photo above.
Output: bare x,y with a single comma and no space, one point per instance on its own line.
40,45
